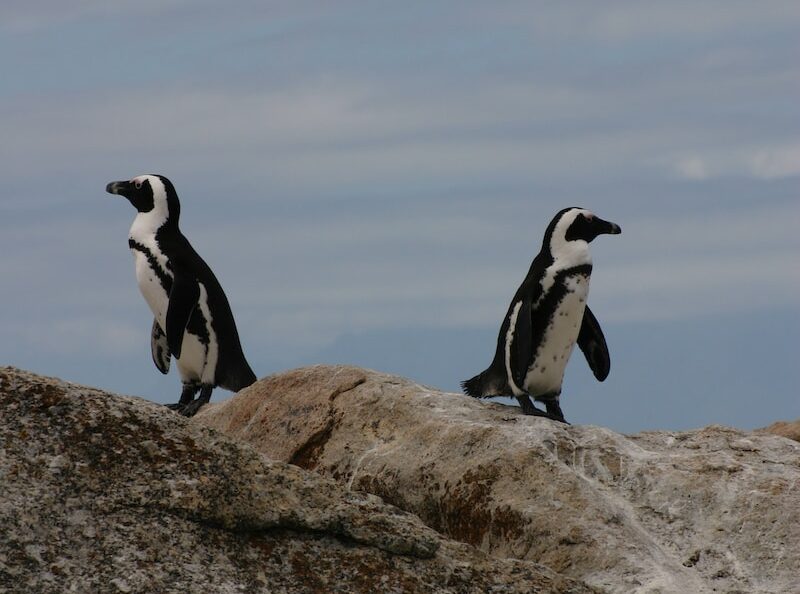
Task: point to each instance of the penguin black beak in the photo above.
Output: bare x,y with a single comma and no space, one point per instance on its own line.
606,227
118,187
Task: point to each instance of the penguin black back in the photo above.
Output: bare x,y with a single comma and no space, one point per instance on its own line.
233,371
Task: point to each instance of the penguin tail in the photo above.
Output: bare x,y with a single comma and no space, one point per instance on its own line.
483,385
239,378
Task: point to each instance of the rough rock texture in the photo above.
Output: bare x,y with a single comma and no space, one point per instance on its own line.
789,429
101,493
712,510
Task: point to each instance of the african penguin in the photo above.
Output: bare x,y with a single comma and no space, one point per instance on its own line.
193,320
547,315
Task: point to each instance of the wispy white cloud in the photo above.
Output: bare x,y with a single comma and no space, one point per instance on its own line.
693,168
629,20
99,337
674,267
776,162
339,132
23,16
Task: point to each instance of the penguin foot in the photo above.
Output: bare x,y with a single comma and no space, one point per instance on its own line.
554,410
540,413
191,409
529,409
187,394
195,405
186,410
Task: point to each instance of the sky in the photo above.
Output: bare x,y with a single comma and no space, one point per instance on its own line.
371,180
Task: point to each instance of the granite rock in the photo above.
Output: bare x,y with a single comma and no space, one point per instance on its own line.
710,510
102,493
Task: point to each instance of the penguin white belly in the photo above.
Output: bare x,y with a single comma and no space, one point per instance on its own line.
211,354
546,373
195,357
151,288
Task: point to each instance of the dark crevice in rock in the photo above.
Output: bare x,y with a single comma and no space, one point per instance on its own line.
396,545
307,454
347,388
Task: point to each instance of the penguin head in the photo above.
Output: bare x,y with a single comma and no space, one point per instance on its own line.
149,194
572,229
582,224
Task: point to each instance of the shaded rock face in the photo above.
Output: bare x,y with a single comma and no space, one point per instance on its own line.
712,510
101,493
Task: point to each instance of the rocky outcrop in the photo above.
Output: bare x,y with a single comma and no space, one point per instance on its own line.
101,493
788,429
712,510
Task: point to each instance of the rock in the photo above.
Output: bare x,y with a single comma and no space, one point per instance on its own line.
790,430
711,510
103,493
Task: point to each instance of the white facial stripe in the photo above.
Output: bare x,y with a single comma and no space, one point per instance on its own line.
567,254
146,224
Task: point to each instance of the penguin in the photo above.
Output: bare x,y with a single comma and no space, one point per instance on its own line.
193,321
545,319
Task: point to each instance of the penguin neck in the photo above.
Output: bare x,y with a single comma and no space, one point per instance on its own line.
569,254
147,224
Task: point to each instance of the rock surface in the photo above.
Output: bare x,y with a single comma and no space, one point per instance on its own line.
788,429
711,510
101,493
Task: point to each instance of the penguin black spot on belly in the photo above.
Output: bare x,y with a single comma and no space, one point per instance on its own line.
152,262
197,324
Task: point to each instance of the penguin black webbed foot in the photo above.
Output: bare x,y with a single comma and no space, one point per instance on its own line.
186,410
195,405
191,409
529,409
554,410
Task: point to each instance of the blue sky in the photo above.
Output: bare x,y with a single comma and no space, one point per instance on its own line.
370,182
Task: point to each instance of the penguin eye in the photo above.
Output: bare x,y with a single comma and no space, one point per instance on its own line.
138,185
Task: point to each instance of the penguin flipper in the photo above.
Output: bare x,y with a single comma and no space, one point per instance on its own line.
182,302
593,344
159,348
522,344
